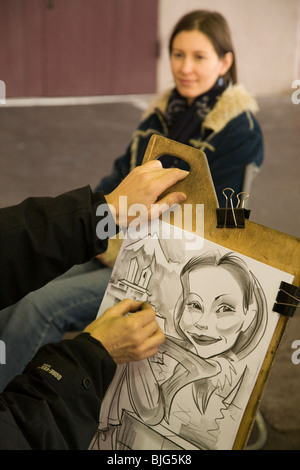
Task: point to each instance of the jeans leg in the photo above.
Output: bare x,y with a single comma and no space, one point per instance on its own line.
68,303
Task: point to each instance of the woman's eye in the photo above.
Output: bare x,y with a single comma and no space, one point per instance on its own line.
225,308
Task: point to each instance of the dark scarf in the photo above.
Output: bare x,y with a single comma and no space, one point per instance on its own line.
183,120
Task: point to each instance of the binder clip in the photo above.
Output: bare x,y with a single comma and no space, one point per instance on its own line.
287,300
231,217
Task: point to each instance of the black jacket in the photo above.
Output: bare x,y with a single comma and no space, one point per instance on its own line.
43,237
55,403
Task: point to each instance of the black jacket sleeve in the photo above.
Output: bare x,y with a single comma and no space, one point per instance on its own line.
43,237
55,403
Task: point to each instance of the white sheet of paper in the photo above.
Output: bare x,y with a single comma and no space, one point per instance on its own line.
218,322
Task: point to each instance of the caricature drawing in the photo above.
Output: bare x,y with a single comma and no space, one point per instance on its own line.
190,395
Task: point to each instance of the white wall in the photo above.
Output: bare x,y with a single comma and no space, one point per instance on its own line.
266,37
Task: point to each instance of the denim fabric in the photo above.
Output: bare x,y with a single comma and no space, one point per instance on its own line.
68,303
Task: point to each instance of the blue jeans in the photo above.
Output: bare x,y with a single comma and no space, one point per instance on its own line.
68,303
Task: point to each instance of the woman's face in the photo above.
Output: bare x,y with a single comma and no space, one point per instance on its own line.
213,314
195,64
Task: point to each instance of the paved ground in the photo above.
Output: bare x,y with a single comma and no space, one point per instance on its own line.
48,150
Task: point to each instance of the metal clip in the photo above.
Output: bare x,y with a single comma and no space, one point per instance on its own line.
231,217
240,204
231,204
287,300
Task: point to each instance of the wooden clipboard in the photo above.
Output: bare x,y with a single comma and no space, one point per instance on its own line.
261,243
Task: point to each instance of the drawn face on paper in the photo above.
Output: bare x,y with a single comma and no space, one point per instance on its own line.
213,314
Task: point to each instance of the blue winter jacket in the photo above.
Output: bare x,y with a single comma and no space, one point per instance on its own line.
230,136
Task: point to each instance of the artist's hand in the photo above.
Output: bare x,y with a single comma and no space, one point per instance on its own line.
144,185
128,337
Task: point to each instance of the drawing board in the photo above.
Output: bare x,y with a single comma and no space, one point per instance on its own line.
213,291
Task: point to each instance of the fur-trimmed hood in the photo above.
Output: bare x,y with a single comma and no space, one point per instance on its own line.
234,101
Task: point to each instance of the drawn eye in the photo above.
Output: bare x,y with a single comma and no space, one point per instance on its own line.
225,308
194,305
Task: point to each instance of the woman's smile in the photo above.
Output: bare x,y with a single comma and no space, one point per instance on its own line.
203,340
187,82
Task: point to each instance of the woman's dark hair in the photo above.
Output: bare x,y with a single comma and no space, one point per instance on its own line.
216,28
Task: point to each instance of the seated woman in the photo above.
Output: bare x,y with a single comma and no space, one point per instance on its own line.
206,109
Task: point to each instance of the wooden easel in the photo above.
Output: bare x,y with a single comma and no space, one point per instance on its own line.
261,243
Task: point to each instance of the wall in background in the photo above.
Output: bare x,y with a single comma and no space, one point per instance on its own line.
78,48
96,47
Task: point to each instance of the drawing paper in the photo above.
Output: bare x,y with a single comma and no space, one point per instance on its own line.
215,308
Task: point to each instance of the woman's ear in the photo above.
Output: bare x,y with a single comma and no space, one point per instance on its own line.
227,61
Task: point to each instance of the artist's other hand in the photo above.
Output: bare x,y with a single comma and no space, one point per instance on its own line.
144,185
128,337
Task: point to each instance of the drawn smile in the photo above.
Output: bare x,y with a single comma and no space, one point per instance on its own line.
203,340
